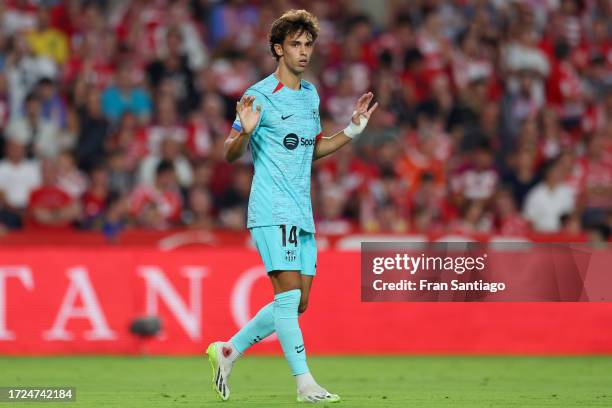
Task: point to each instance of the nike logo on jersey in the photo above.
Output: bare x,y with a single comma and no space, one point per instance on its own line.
283,117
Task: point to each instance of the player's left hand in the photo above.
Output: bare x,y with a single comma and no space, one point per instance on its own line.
361,107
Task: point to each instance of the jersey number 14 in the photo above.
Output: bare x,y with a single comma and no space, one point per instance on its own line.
292,235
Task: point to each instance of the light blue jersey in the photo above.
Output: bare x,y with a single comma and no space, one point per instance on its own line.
282,146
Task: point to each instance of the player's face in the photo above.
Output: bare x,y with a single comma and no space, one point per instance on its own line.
297,50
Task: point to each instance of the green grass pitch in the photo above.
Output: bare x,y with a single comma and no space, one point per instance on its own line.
361,381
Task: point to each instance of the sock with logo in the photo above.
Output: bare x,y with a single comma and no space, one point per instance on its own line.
288,330
257,329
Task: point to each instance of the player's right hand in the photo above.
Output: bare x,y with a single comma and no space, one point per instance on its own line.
248,117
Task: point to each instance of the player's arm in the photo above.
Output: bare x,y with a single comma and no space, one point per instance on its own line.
237,141
327,145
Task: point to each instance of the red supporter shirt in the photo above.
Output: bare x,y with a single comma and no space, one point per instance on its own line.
168,202
475,184
93,205
50,198
597,174
514,224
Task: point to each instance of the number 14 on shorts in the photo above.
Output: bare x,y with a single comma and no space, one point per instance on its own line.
292,235
290,254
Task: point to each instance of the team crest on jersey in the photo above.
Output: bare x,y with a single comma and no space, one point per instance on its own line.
290,255
315,114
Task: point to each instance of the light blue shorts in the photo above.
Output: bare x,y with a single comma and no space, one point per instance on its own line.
286,248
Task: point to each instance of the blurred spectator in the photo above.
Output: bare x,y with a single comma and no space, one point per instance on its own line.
94,129
479,178
47,41
126,96
385,204
199,213
570,224
430,196
41,136
174,69
474,219
331,220
169,151
18,16
116,216
166,125
235,199
346,172
95,199
207,125
389,219
509,220
18,175
469,63
596,168
158,205
49,206
127,140
564,87
121,176
180,19
69,177
203,174
52,106
233,22
522,176
549,200
23,71
423,154
433,43
554,139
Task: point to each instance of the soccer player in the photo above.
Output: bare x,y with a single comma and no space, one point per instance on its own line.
278,118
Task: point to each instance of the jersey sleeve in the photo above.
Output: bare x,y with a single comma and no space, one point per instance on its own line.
259,100
319,128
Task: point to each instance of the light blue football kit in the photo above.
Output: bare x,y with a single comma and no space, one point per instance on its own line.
280,210
282,144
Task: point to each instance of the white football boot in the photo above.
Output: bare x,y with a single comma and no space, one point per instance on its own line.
218,354
315,395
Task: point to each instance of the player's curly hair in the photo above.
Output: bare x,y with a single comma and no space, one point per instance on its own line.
290,23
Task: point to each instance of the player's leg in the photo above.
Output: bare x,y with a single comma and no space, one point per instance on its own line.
278,252
287,294
278,248
223,354
308,390
305,297
287,285
262,324
308,261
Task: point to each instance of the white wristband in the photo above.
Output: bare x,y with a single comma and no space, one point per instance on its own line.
352,129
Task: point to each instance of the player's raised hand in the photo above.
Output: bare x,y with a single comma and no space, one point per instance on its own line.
248,117
361,107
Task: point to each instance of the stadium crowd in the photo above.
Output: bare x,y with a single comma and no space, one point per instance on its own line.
494,117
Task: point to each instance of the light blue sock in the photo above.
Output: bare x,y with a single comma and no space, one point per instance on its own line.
288,330
257,329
